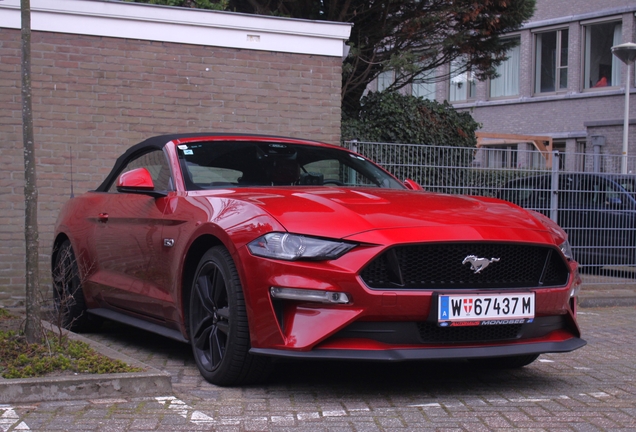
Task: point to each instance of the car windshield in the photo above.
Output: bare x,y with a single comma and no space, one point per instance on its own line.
219,164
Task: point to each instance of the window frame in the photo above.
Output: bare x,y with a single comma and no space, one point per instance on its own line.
518,77
423,80
502,156
388,76
471,90
616,63
558,65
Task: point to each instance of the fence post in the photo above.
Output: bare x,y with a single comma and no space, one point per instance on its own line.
554,187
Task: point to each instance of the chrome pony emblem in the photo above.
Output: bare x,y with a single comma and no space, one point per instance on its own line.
478,264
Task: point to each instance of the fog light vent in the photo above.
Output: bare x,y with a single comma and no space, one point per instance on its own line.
318,296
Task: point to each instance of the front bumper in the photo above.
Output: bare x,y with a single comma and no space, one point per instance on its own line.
298,329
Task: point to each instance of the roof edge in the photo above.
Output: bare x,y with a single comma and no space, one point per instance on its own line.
180,25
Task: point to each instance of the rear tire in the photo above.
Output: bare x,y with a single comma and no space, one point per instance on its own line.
512,362
68,298
219,331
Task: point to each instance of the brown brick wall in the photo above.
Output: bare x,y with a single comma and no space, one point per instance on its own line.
94,96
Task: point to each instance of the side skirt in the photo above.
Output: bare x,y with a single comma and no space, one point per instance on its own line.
138,323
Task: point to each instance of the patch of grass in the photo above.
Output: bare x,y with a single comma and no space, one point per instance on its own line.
19,359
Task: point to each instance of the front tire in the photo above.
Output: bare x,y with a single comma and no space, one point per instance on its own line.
219,331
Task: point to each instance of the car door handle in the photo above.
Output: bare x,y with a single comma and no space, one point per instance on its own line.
103,217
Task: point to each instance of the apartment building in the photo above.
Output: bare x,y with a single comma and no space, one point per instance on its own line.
561,82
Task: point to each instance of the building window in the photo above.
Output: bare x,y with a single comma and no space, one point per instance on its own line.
538,159
424,85
560,147
385,79
602,69
580,156
551,61
507,83
462,85
501,156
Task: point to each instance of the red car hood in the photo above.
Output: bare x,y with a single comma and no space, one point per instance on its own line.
339,213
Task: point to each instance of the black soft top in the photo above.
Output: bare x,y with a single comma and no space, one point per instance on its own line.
157,143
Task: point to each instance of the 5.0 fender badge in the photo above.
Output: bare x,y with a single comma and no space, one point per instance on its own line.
478,264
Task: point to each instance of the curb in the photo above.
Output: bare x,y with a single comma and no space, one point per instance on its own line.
607,295
592,302
152,382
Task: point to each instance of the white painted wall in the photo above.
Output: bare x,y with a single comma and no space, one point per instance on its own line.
180,25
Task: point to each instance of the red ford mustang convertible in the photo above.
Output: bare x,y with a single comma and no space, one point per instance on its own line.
254,247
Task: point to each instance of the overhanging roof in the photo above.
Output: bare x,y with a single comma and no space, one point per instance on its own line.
181,25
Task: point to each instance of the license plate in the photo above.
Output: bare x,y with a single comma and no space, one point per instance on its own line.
481,309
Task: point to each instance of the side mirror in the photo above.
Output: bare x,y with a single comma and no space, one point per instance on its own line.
412,185
138,181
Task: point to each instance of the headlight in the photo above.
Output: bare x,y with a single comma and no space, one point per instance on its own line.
292,247
567,250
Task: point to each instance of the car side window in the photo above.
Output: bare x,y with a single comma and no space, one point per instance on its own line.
569,192
594,192
587,192
612,196
156,163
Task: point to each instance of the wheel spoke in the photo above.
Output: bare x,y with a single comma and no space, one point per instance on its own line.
201,336
223,323
218,288
224,313
224,327
217,347
205,323
202,291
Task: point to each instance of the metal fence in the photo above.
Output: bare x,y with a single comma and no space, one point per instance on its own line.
583,192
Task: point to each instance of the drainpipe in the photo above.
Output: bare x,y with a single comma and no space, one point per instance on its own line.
598,141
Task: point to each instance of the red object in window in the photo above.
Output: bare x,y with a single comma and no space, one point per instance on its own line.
601,83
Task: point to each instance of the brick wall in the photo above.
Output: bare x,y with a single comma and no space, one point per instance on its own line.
95,96
550,9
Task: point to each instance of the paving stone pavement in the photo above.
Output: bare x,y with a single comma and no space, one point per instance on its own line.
592,389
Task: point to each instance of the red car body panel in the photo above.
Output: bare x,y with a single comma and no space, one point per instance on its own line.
126,266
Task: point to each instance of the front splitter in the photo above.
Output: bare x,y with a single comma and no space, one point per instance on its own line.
395,355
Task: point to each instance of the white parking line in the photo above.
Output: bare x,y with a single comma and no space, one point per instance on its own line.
10,419
182,409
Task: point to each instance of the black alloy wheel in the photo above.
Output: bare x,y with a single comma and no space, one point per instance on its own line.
219,332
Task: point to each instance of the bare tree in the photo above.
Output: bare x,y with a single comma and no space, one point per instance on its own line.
33,326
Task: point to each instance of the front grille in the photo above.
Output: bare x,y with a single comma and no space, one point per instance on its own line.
430,332
439,266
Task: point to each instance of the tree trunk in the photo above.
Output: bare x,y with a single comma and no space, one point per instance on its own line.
33,326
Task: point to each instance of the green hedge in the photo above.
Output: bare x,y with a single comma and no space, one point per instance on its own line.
392,117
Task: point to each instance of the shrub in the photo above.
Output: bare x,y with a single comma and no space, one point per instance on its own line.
392,117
